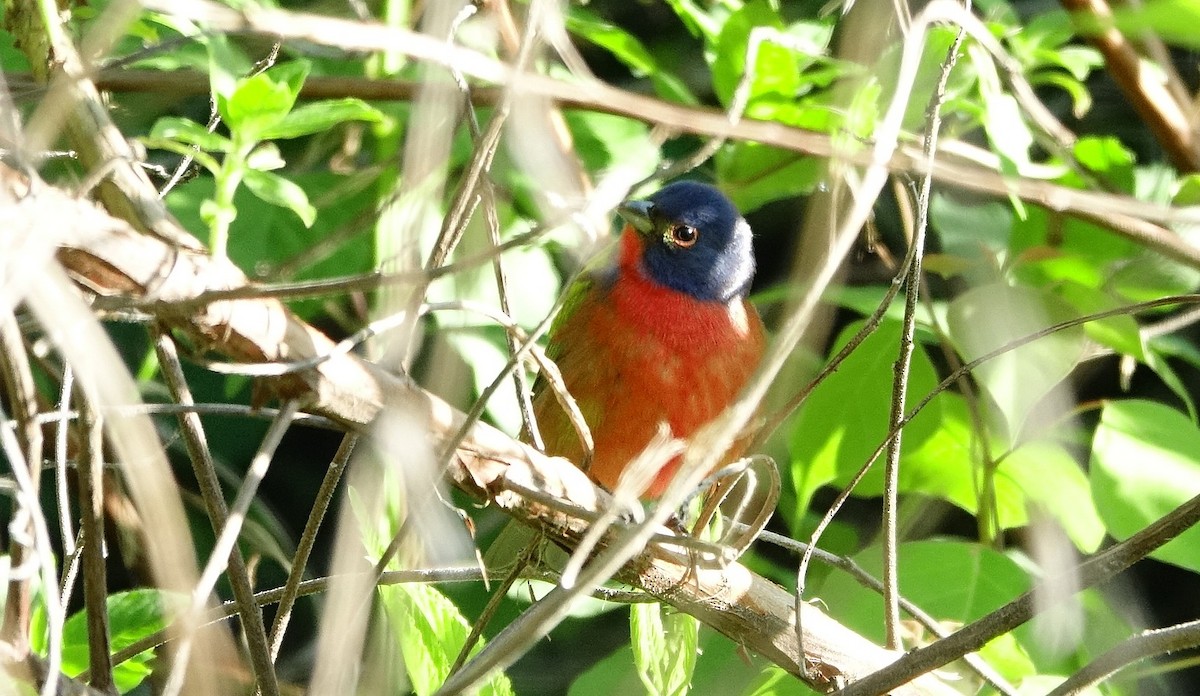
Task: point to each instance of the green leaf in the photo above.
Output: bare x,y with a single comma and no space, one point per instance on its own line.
776,681
987,318
1174,21
724,668
775,70
626,48
321,116
264,236
1007,131
226,64
431,632
189,132
1095,246
275,189
606,142
846,416
944,465
1108,157
1173,346
265,157
200,156
12,60
1081,98
1149,276
698,22
971,230
132,616
753,174
1145,463
1188,191
1049,477
261,102
1120,332
665,643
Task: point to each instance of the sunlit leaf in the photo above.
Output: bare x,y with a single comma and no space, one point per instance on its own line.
626,48
260,102
987,318
846,417
189,132
273,188
321,116
953,581
132,616
753,174
431,632
1109,158
1145,463
665,646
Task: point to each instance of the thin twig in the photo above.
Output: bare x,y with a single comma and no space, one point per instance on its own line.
291,589
20,394
95,580
1127,652
37,540
903,366
203,409
218,513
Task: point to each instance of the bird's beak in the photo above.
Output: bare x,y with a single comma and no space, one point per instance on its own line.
637,214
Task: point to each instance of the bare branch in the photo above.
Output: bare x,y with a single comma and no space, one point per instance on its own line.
95,574
218,512
744,606
1127,652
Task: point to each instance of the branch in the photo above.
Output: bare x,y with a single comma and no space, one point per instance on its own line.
488,465
1139,647
1152,100
352,35
125,190
973,636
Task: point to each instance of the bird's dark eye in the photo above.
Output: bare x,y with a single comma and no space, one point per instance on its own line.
684,235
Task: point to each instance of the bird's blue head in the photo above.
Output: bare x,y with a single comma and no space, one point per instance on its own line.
693,241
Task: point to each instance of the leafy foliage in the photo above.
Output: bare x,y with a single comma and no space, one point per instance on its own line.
293,188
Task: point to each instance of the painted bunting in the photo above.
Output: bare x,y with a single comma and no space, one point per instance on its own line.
663,334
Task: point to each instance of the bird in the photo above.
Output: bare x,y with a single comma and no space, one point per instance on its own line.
663,333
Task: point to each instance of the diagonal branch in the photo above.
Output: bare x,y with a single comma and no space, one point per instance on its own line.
1152,100
488,465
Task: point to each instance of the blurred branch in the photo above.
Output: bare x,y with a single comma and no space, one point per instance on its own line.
489,465
33,670
20,399
1139,647
1122,215
1152,100
125,190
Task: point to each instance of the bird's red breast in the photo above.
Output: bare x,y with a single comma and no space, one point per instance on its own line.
634,354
